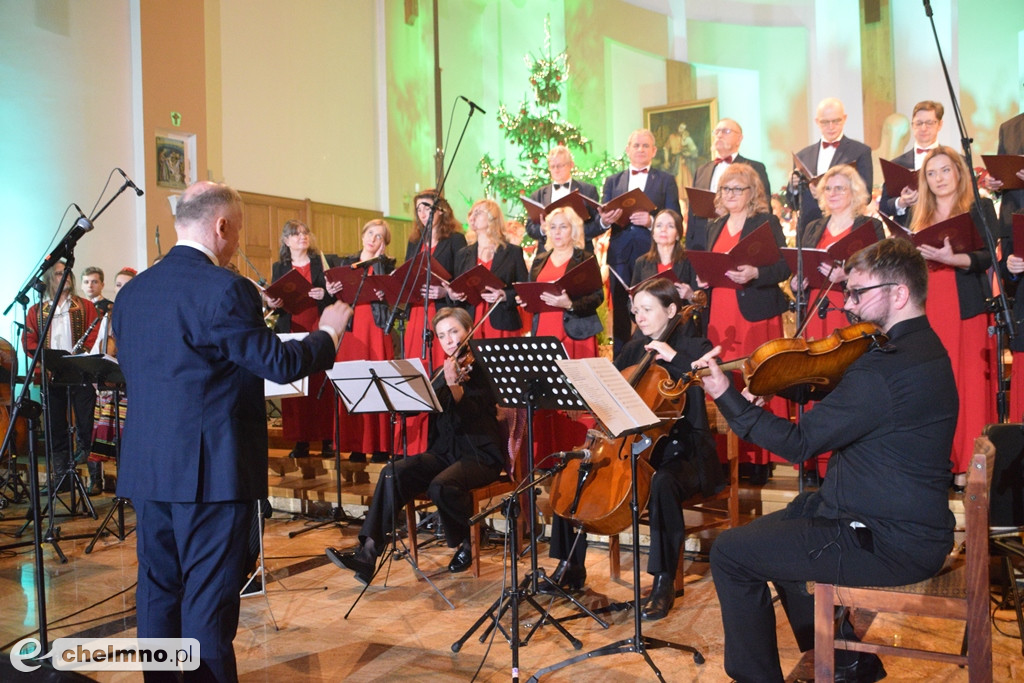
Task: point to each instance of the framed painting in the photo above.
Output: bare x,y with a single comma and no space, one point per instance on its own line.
682,133
175,160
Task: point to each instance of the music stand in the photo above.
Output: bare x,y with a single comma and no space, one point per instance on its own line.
395,387
107,375
524,373
616,407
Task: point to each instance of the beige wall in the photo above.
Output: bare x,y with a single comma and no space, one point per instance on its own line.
299,85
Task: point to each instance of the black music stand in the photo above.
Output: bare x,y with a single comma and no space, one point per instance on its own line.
105,372
397,387
638,642
524,373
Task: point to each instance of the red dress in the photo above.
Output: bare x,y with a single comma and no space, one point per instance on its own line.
738,338
555,430
364,432
305,418
972,355
818,328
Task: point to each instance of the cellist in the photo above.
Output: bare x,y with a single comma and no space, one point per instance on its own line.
685,461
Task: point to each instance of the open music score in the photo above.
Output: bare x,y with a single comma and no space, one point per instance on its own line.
299,387
293,290
835,255
1004,167
897,177
702,202
574,200
609,396
473,282
581,280
630,202
961,231
756,249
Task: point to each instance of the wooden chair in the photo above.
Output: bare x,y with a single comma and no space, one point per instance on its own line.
713,515
513,428
959,591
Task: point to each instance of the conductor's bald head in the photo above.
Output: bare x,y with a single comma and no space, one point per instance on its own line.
210,214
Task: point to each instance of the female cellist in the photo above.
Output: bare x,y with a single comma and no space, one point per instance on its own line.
685,461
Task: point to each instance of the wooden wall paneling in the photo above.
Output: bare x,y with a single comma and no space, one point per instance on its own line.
338,228
264,216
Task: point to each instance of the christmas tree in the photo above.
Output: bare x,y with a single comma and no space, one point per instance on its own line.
535,126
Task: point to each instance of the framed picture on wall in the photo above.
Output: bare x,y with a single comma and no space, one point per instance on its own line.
175,160
682,133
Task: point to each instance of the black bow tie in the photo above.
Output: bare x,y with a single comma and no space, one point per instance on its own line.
558,187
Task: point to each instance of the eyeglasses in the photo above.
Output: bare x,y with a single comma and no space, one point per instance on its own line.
723,131
734,190
925,124
841,189
424,206
855,292
829,122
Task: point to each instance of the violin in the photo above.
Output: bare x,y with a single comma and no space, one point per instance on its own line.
462,350
596,492
784,364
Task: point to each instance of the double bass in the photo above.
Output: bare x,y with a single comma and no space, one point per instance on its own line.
596,492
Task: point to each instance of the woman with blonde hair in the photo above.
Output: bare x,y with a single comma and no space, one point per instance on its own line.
492,250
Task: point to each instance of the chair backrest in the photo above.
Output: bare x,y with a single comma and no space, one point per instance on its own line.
1006,496
512,422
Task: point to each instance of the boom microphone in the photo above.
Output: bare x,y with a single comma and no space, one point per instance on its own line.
368,262
128,180
473,105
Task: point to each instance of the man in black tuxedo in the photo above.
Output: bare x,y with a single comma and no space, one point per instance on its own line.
833,149
925,124
727,137
629,243
1011,141
560,166
194,349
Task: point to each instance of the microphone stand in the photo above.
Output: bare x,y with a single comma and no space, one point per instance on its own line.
32,409
801,312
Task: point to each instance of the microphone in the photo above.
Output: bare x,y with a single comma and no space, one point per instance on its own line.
368,262
565,456
128,180
473,105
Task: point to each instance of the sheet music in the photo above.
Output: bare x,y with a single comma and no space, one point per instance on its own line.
299,387
405,381
613,401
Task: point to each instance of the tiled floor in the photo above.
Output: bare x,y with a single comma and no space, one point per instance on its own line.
404,631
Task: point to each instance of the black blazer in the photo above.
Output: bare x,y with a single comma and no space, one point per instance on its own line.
697,225
760,298
591,222
849,151
582,321
814,231
510,267
645,268
316,271
1011,141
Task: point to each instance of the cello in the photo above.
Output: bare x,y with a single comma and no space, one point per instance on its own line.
596,492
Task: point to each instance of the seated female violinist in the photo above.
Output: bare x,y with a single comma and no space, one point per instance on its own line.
464,452
685,461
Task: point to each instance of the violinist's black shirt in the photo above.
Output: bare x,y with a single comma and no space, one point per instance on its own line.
890,424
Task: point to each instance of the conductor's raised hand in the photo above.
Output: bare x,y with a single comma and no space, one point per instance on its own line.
336,316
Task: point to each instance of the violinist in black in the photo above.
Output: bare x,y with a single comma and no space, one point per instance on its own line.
685,461
464,452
